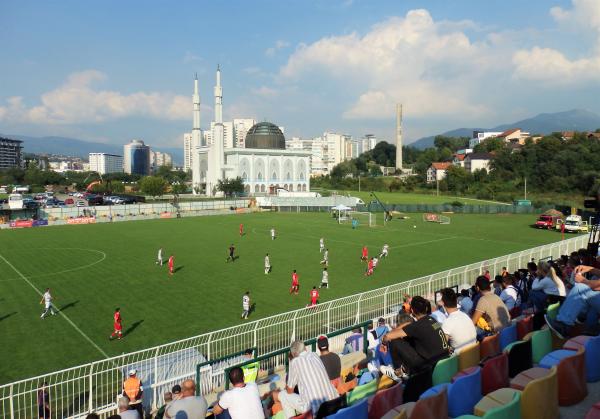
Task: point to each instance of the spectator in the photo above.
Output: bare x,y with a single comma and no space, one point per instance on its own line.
458,327
510,294
504,272
331,361
490,314
176,392
250,370
354,342
308,373
381,329
498,285
241,402
547,287
372,336
532,273
437,312
133,390
583,298
124,411
417,345
382,354
466,304
168,398
43,401
487,275
188,406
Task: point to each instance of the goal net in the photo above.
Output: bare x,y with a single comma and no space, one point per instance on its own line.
436,218
363,218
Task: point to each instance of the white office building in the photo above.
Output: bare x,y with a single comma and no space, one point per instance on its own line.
159,159
104,163
187,151
241,126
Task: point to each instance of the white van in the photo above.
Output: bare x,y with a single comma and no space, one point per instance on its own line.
15,201
574,224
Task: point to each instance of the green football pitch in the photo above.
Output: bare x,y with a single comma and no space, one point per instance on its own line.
91,269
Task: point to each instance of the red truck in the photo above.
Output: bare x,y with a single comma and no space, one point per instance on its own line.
547,221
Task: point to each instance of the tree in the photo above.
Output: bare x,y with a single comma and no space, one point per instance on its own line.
178,188
231,186
153,185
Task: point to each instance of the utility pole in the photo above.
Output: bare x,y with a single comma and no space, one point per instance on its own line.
525,188
437,185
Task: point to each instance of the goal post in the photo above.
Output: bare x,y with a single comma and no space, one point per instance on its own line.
364,218
436,218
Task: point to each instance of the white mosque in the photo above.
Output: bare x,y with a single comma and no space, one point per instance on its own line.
264,164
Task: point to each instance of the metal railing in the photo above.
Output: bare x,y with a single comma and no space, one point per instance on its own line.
94,386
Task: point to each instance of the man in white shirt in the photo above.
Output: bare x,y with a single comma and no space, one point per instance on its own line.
510,295
241,402
159,257
325,279
267,264
47,301
246,305
325,260
272,233
321,245
458,327
384,251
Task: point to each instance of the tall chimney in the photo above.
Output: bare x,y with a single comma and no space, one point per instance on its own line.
399,136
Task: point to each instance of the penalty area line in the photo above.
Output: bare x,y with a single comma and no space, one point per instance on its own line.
86,337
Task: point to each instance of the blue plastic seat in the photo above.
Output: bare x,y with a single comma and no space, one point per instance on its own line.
463,394
553,358
357,411
508,335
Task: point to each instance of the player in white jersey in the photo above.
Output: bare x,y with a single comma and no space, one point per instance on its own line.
325,279
246,305
267,264
321,245
325,260
159,257
47,301
375,262
384,251
272,233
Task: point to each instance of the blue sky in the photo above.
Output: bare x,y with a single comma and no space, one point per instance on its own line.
111,71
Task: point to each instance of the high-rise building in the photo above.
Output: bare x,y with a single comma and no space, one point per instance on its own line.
136,158
159,159
10,153
240,128
104,163
187,151
369,141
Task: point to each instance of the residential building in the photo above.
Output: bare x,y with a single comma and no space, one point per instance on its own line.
368,143
187,151
159,159
480,136
477,161
240,129
437,171
103,163
136,158
459,160
514,135
10,153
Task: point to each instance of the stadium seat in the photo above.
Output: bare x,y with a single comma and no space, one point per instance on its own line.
435,406
444,370
463,393
552,310
519,357
541,344
416,384
489,346
331,407
524,326
361,392
504,403
305,415
592,354
385,382
594,412
359,410
572,387
384,401
494,373
539,397
525,377
508,335
468,356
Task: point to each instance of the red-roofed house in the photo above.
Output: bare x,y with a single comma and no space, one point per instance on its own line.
459,160
514,135
437,171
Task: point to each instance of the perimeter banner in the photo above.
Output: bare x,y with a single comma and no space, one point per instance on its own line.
82,220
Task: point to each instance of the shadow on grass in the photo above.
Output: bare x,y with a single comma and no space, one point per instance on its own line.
6,316
177,268
133,326
68,305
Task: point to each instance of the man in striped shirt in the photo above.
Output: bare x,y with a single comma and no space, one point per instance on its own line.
309,374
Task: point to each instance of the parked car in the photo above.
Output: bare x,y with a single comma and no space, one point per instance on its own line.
69,201
81,204
54,203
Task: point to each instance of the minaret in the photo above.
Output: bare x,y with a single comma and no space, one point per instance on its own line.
196,136
218,98
216,160
399,136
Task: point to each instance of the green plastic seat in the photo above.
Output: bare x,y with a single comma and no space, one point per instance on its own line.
541,344
510,410
552,310
444,370
360,392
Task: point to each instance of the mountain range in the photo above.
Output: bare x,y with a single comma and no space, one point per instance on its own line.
80,148
544,123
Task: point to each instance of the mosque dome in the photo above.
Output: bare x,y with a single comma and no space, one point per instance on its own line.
265,135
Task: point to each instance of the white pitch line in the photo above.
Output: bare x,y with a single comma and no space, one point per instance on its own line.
59,312
420,243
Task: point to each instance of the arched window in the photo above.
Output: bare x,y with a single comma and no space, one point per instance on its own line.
303,188
256,188
274,176
262,188
244,176
301,176
259,177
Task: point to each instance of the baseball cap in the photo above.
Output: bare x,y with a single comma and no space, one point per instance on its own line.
132,371
322,342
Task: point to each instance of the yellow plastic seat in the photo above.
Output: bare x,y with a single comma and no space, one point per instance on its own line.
468,357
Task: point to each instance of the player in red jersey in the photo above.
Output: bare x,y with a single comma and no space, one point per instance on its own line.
295,284
171,264
369,271
365,253
241,230
117,325
314,296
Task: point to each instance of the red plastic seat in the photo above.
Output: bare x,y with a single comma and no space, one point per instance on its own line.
384,401
594,412
489,346
524,326
494,374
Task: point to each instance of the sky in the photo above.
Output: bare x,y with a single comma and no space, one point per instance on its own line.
111,71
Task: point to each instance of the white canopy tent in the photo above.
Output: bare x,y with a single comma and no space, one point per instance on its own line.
342,211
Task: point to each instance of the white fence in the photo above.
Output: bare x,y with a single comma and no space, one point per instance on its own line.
94,386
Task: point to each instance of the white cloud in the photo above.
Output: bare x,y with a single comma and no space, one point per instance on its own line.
583,13
190,57
432,67
266,92
279,45
76,101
